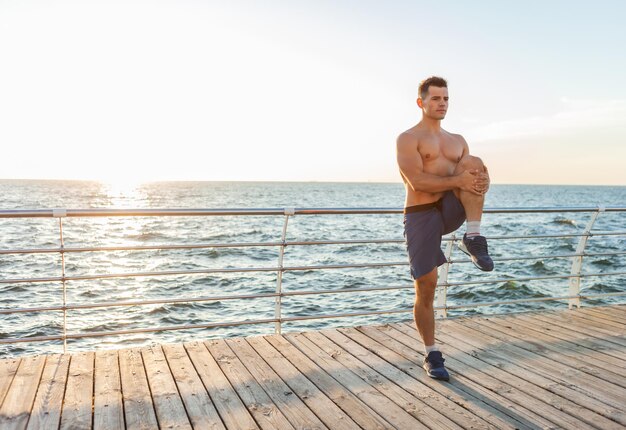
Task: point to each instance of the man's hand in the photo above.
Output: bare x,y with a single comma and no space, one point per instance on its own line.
474,181
488,180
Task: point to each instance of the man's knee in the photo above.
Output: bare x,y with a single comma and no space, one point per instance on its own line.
469,162
425,288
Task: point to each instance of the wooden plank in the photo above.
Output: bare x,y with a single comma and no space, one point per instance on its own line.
233,412
168,405
362,389
585,317
46,412
407,373
336,407
617,309
108,407
546,370
417,405
8,369
578,338
138,409
587,327
294,409
17,405
508,410
200,408
549,337
77,403
605,313
496,342
585,336
541,345
578,362
260,405
560,401
575,393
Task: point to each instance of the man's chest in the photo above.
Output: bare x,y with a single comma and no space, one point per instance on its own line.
440,150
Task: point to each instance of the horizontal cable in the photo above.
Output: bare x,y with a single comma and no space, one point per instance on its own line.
140,274
346,315
137,303
276,269
545,257
197,299
535,278
196,246
277,244
52,213
137,330
139,248
197,272
534,299
193,300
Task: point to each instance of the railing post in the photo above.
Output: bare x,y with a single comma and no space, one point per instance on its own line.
279,278
442,293
61,213
577,262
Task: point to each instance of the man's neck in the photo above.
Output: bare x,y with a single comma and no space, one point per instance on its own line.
430,124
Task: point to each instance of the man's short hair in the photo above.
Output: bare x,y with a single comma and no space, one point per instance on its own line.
434,81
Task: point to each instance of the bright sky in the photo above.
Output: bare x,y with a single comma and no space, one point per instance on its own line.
308,90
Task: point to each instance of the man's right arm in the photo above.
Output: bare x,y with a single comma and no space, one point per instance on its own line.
412,169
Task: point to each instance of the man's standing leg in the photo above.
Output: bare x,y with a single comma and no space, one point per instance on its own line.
424,315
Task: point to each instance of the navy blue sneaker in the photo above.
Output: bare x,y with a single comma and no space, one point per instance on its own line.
476,248
433,365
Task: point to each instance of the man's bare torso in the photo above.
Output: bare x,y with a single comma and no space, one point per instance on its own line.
440,153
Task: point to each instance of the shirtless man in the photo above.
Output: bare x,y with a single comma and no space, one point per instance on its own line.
444,187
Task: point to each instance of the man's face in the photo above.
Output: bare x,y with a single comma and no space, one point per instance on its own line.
435,105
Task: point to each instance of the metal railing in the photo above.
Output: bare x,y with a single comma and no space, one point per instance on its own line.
574,277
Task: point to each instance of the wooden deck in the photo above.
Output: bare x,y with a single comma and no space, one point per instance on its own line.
557,369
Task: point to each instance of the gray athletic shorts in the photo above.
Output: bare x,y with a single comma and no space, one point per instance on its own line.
424,225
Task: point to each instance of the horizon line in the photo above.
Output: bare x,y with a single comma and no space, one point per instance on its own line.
103,181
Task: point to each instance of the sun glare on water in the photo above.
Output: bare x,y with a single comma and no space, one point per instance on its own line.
123,191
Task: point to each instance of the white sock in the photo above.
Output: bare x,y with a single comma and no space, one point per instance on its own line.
473,228
431,348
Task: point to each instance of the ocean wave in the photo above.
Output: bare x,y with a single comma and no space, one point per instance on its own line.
601,288
540,268
185,307
565,221
565,247
509,290
145,237
89,294
108,326
603,262
13,289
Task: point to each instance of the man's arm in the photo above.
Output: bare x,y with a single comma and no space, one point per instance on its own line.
412,169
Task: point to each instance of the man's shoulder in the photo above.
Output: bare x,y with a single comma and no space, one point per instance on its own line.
407,137
412,135
456,137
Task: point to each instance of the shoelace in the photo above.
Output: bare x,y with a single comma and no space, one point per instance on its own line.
436,361
478,245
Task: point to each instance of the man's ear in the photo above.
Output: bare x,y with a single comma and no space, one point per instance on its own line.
419,102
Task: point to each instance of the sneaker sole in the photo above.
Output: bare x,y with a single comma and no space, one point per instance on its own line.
464,249
438,378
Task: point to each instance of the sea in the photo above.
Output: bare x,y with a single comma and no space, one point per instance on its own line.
509,280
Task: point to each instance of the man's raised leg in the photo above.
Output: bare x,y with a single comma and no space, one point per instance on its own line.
424,314
473,244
